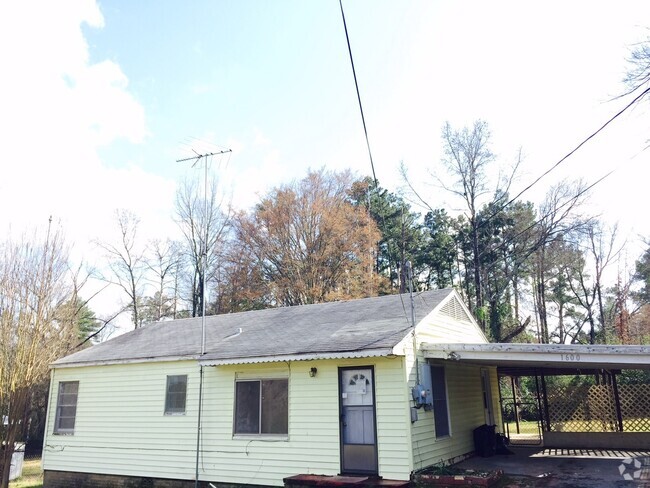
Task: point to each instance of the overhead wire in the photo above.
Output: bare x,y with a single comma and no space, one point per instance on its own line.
500,208
568,155
356,84
541,219
365,131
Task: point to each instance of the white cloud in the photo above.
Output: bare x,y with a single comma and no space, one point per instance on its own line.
260,138
57,109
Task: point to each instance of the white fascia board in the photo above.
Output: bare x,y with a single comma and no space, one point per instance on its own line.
300,357
124,361
542,355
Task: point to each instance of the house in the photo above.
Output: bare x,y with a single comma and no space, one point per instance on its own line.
324,389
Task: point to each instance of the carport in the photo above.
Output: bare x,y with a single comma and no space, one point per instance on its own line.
599,414
568,468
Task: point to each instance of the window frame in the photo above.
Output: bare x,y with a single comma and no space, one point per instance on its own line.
436,397
57,429
168,411
259,434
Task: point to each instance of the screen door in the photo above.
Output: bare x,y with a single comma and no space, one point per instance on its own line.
358,430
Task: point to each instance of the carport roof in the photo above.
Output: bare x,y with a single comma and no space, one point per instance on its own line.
524,359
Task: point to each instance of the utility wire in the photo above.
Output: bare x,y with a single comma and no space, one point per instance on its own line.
569,154
356,84
539,220
372,165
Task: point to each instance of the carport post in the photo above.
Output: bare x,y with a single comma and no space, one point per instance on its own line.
515,402
539,404
617,401
548,420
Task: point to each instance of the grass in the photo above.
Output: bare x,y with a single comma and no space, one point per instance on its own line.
629,425
32,475
525,427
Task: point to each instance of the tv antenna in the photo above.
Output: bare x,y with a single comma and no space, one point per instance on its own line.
197,158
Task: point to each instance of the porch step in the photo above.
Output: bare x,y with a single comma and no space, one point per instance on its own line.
311,480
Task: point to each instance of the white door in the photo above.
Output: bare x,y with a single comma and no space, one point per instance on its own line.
358,430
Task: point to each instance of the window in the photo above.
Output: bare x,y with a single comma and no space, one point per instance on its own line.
176,394
66,407
439,396
261,406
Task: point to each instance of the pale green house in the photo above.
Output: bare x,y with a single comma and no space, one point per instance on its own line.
321,389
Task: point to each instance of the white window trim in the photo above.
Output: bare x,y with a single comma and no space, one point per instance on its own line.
187,384
268,375
56,429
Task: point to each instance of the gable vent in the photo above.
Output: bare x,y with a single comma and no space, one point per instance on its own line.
455,310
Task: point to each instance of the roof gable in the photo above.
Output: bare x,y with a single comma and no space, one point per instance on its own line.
454,309
450,321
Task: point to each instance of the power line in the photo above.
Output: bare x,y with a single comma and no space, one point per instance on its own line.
356,84
365,131
507,242
570,153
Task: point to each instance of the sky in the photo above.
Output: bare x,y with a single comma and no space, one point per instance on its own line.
99,99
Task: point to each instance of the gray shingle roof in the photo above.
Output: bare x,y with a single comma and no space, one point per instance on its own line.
354,325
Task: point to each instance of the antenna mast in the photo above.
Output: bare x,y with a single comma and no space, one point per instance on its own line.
204,250
204,270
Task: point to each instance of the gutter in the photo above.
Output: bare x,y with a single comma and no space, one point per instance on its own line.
365,353
368,353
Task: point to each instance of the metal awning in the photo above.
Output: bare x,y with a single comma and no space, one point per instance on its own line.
550,358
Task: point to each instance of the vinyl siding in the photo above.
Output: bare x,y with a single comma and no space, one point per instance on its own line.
121,429
464,393
120,426
438,328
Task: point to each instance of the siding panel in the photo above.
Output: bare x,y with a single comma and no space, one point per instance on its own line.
464,393
121,427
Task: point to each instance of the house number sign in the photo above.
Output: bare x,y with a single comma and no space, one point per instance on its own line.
570,357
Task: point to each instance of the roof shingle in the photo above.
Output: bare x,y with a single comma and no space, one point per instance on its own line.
354,325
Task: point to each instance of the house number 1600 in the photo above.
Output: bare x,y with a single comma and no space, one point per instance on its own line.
570,357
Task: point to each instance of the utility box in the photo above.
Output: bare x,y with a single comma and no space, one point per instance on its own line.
422,391
16,468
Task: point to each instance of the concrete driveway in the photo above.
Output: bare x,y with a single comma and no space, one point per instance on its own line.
568,468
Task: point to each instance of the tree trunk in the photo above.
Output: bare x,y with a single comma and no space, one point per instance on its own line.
17,408
601,310
477,270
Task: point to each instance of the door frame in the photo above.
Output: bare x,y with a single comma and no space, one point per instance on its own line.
374,412
488,399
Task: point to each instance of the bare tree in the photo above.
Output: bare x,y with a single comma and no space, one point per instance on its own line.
34,330
163,263
467,156
601,249
558,217
126,262
205,226
638,74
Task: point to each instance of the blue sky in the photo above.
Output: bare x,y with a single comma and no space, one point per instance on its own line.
100,98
